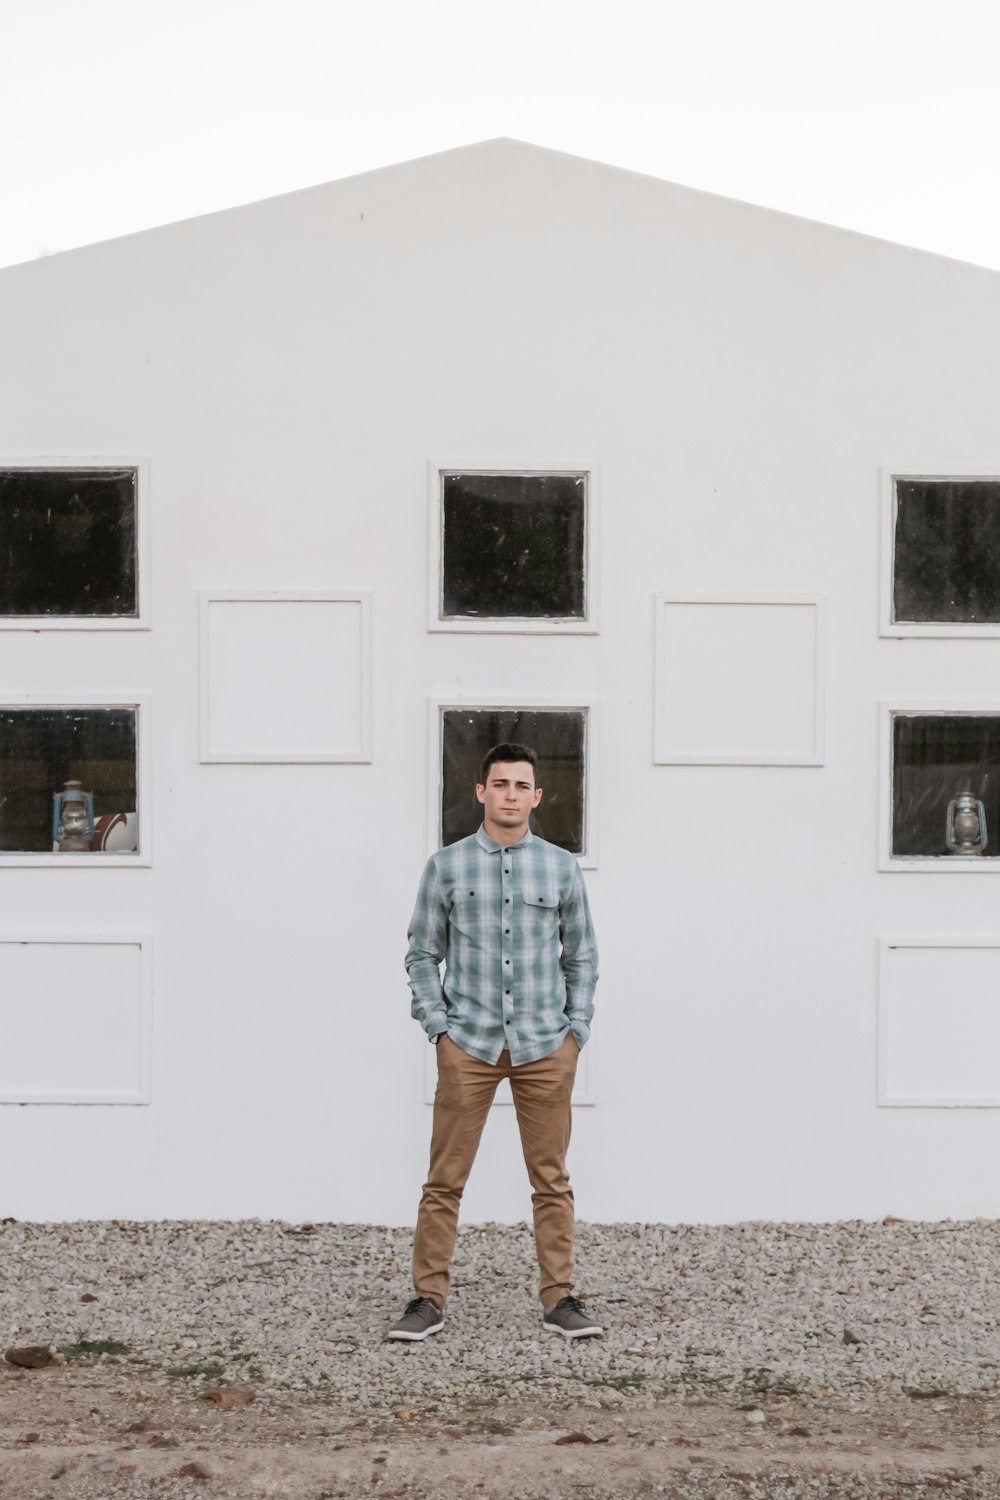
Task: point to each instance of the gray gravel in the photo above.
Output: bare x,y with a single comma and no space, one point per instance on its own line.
735,1311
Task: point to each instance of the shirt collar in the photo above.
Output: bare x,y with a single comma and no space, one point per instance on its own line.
492,847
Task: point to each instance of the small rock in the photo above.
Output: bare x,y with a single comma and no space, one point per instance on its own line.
403,1415
850,1337
228,1396
88,1297
756,1416
573,1437
108,1465
30,1437
31,1357
194,1471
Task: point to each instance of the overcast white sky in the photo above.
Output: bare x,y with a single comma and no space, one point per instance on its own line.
881,115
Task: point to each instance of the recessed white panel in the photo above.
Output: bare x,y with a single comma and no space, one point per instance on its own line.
284,677
739,680
74,1018
939,1022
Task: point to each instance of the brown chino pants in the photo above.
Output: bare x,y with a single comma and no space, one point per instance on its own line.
465,1090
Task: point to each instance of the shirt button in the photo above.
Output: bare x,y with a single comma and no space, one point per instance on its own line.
507,931
506,992
506,901
507,962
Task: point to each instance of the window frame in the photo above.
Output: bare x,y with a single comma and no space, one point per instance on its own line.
586,703
928,629
514,624
142,619
927,863
93,860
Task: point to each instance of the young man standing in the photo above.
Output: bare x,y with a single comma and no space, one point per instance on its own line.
508,912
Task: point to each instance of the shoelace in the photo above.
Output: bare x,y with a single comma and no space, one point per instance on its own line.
416,1305
573,1304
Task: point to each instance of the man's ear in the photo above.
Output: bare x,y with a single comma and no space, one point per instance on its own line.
480,792
537,797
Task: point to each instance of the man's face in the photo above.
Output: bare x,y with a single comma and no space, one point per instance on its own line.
509,794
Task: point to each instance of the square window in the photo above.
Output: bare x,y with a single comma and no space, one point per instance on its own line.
44,747
69,543
946,787
515,550
943,536
559,736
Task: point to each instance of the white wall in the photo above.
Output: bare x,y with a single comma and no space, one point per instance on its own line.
290,368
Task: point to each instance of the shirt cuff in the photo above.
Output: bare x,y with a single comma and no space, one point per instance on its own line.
580,1030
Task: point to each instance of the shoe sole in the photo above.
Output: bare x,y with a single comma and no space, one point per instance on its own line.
416,1338
573,1333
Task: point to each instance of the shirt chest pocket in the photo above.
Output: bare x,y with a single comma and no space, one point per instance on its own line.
467,911
541,912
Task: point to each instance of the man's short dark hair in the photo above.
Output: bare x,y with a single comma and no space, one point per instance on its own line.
506,753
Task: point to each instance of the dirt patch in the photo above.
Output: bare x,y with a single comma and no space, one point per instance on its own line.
80,1430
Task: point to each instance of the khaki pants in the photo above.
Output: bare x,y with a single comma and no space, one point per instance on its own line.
465,1090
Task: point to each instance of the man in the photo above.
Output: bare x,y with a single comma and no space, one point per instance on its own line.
509,913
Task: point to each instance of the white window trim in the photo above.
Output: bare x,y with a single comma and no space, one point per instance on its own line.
587,703
143,1095
140,621
922,1101
514,625
927,864
662,756
143,858
360,754
889,473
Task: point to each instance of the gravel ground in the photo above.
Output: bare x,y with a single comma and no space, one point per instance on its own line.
739,1310
812,1362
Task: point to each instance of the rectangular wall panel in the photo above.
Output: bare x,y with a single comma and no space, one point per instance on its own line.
75,1017
739,681
284,677
939,1021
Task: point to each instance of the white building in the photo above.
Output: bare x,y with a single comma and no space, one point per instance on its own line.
746,595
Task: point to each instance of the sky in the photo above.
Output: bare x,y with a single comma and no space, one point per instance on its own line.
879,115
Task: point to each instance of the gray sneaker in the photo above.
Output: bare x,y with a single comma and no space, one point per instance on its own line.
570,1318
420,1317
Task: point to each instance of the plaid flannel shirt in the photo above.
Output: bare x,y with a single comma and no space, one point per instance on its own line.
512,925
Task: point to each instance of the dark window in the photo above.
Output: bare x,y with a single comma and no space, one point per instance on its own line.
43,748
936,759
514,546
558,736
947,551
68,542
